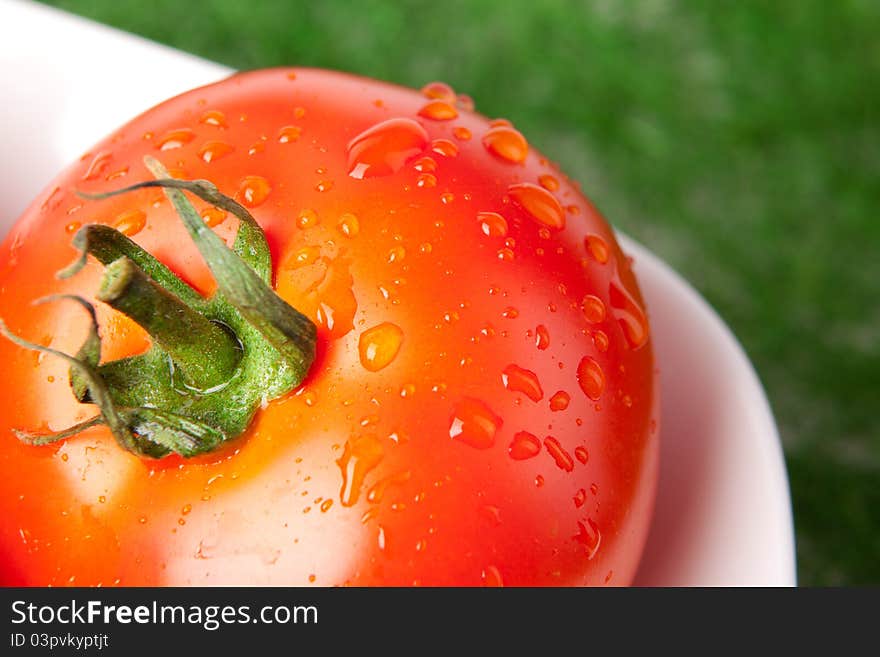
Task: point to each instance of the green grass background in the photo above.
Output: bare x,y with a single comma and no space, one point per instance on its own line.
739,140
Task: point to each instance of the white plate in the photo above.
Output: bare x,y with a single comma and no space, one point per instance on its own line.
723,515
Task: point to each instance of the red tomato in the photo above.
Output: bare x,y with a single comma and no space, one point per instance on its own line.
483,406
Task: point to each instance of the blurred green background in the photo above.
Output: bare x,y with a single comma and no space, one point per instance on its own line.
740,141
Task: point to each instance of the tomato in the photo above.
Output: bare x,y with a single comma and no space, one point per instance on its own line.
482,408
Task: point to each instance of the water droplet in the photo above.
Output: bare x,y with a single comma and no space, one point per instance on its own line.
175,139
593,309
325,505
324,185
72,227
214,150
349,225
377,491
510,313
524,446
289,134
439,110
444,147
507,143
378,346
307,255
492,224
542,337
130,222
425,164
539,481
517,379
385,148
214,117
600,339
548,182
425,248
396,254
307,218
465,102
361,454
97,166
252,191
461,133
597,248
589,536
594,489
629,314
474,424
581,454
439,91
491,577
213,216
446,198
591,378
560,456
186,509
559,401
426,180
506,255
299,112
579,498
539,204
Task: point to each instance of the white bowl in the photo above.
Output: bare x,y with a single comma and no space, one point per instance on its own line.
723,515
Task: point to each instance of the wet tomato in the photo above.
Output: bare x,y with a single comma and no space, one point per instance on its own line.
482,405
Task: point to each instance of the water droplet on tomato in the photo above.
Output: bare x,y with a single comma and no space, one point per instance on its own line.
97,165
474,424
252,191
378,346
213,216
72,227
385,148
438,110
325,505
396,254
589,536
560,456
425,164
581,454
130,222
377,491
175,139
518,379
349,225
439,91
591,378
579,498
461,133
324,185
465,102
593,309
524,446
307,218
492,224
426,180
539,204
214,150
360,455
542,337
597,247
600,339
506,143
289,134
444,147
214,117
559,401
548,182
628,313
491,577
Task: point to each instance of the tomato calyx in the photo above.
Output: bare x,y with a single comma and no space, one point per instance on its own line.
213,361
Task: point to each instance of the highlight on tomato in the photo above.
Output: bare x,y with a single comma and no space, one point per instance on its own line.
305,328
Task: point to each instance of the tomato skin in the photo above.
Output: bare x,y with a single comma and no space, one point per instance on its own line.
507,326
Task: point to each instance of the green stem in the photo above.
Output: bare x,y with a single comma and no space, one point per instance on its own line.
203,351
